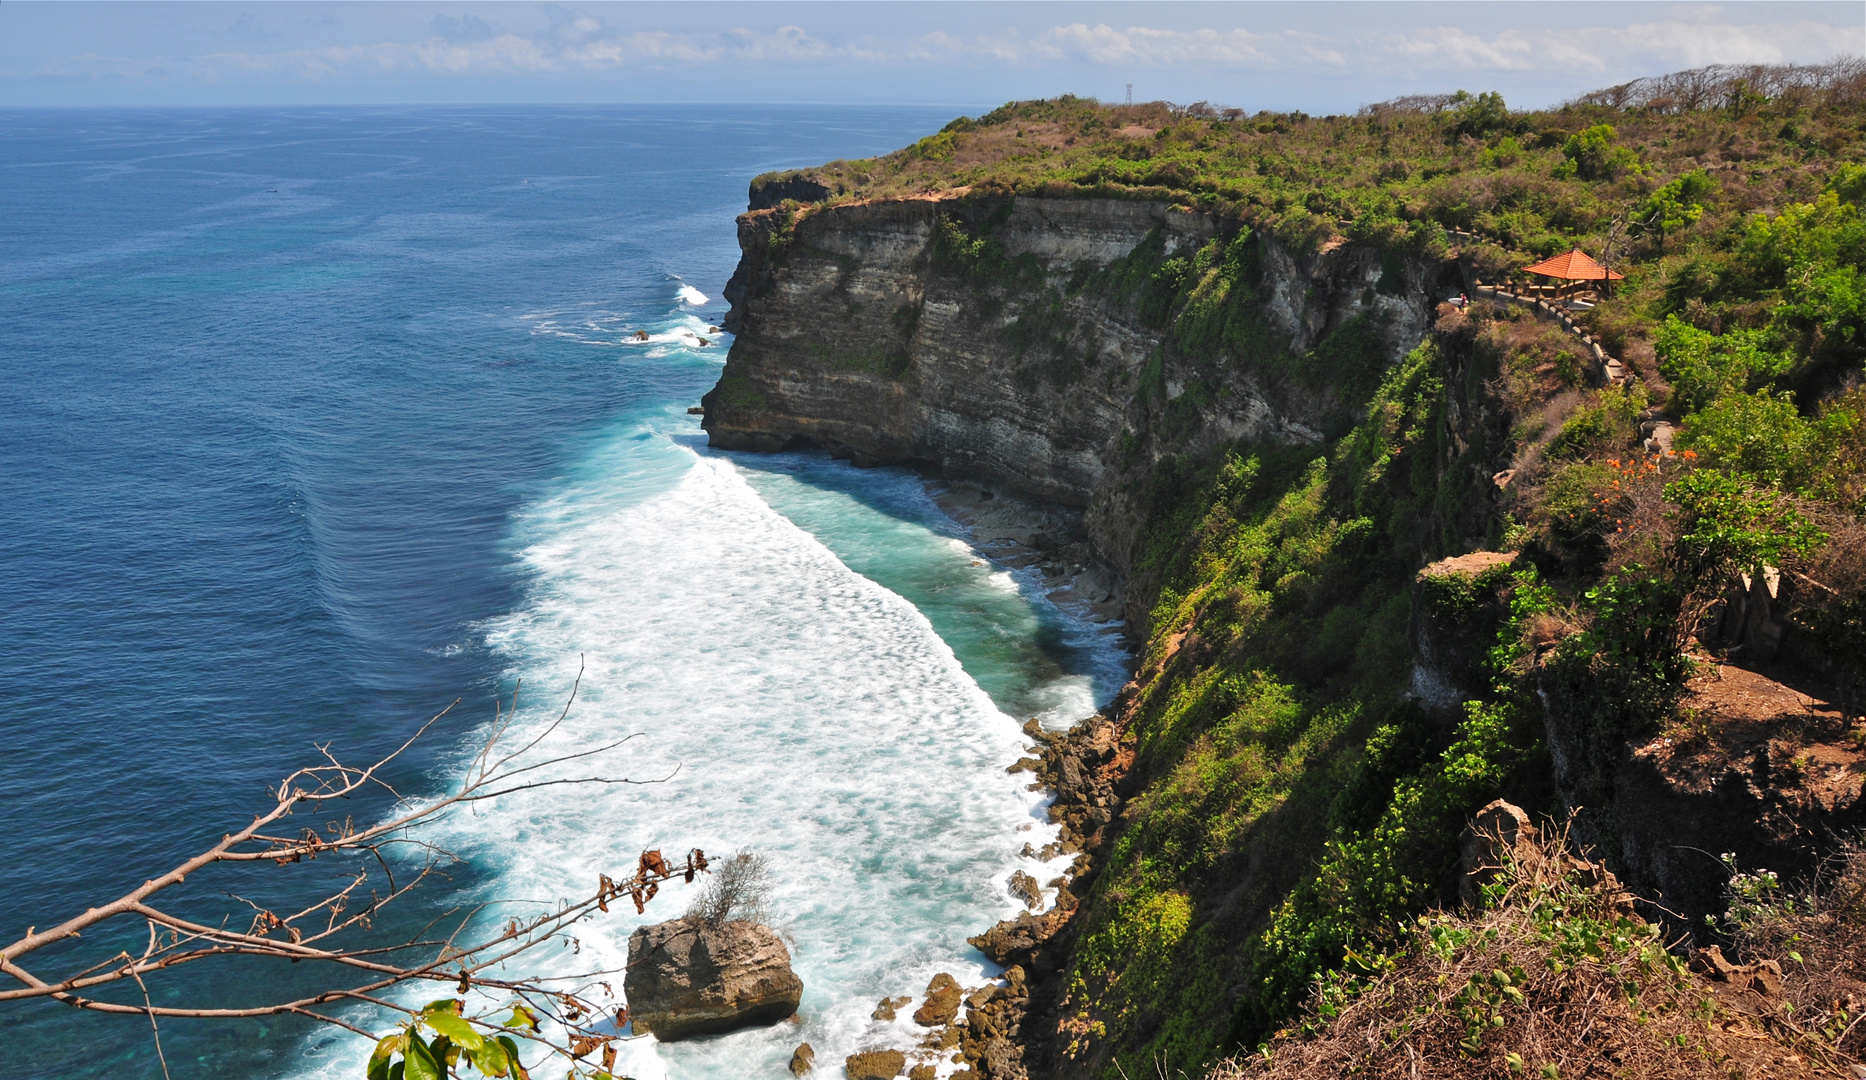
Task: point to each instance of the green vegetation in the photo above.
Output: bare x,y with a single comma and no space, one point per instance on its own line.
1539,182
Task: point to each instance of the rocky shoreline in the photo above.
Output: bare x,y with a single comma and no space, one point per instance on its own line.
1081,768
1018,532
986,1030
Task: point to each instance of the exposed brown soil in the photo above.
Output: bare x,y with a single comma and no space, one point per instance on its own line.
1734,717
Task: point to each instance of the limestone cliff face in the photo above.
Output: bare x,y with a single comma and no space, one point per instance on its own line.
1047,346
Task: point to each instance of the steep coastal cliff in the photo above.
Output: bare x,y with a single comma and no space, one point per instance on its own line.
1025,343
1387,559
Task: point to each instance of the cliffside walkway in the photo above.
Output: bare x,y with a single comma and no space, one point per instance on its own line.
1608,370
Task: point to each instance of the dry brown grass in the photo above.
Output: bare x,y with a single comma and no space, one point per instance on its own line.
1820,942
1557,978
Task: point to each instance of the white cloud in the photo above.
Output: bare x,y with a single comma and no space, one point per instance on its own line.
1148,47
570,40
1651,48
1689,44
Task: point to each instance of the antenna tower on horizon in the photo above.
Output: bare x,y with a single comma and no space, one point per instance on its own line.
1130,93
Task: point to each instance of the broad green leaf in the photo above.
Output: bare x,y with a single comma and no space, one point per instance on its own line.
442,1005
522,1018
385,1050
454,1028
421,1063
490,1059
516,1068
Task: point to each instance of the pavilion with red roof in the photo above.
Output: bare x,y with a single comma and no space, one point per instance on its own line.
1573,266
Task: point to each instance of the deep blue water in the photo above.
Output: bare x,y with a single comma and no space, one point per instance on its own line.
314,420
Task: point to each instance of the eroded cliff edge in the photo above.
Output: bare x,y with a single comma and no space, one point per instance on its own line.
1064,349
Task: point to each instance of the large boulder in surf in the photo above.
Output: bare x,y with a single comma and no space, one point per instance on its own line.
688,978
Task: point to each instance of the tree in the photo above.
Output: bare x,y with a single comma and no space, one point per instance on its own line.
1720,525
1477,115
738,890
1676,205
1594,155
490,1015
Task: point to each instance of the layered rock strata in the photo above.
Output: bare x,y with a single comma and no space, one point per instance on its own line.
1011,342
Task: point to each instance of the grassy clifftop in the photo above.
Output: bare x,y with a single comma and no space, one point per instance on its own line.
1540,181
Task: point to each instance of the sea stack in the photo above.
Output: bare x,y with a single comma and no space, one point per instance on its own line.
688,977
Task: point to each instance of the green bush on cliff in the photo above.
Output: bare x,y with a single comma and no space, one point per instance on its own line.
1275,729
1538,181
1356,906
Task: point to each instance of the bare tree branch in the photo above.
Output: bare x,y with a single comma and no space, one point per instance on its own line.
332,931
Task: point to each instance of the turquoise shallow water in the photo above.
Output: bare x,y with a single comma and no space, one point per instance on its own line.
317,419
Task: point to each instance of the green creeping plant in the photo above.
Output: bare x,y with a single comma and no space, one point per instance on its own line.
455,1043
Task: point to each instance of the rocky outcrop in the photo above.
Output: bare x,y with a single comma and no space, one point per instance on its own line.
874,1065
1497,835
688,978
942,1002
1011,342
1756,768
1456,608
768,192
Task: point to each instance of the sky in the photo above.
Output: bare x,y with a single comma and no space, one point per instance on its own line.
1319,57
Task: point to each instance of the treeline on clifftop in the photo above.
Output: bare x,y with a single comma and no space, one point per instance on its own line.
1292,807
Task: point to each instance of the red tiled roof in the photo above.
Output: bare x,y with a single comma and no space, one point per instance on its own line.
1574,266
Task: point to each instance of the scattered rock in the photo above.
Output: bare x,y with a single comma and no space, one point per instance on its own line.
1012,937
1014,980
1025,888
687,978
875,1065
1763,976
942,1002
888,1008
922,1072
803,1060
695,410
1492,838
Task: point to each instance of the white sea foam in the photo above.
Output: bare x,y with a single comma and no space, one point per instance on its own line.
690,295
591,326
814,716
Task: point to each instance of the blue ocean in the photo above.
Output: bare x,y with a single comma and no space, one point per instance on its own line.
313,421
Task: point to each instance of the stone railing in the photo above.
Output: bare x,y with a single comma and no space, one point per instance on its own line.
1607,369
